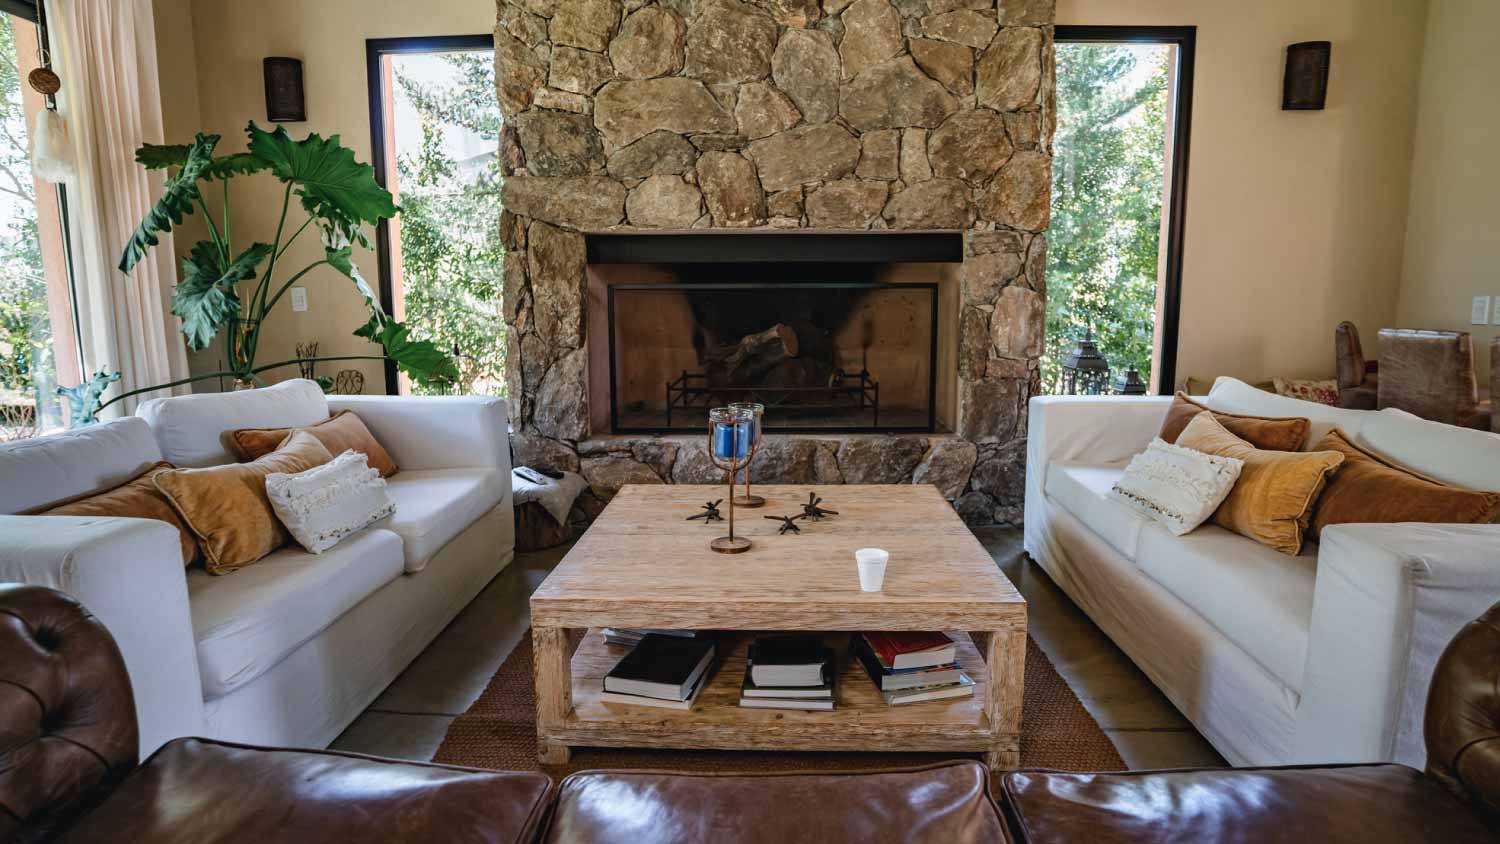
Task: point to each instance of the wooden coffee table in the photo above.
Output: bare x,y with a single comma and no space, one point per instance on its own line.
642,565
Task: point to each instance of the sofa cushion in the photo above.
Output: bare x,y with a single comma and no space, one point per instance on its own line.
947,803
1350,804
191,430
435,505
247,622
1370,488
1274,433
137,498
41,472
1083,490
1233,396
1259,598
1461,456
194,791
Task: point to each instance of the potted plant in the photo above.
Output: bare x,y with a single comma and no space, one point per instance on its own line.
227,289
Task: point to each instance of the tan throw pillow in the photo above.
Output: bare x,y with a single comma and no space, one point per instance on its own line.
226,506
1370,488
1273,500
1267,432
137,498
338,433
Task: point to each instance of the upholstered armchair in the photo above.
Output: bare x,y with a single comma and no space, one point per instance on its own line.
1357,377
1431,374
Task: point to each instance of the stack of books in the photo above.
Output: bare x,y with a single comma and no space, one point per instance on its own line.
664,671
631,638
912,667
788,672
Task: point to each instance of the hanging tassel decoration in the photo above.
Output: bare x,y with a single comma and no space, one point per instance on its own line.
51,151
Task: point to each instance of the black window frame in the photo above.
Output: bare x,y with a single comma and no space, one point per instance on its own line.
1185,39
376,49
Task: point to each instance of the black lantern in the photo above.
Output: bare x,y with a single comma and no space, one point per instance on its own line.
1130,384
1085,370
284,100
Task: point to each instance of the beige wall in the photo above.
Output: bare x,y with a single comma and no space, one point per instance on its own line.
1295,220
1453,232
228,40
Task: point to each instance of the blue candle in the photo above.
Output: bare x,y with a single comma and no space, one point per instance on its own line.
724,445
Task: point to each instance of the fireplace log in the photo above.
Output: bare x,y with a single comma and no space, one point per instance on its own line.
748,361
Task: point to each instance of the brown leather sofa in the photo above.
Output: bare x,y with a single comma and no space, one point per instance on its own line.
1358,378
68,774
1431,374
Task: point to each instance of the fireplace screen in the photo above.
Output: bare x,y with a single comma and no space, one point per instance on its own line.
830,357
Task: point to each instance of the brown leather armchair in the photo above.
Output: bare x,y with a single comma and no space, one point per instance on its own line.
1431,374
68,768
1358,378
1456,801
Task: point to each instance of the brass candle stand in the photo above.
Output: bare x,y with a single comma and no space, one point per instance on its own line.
756,411
725,428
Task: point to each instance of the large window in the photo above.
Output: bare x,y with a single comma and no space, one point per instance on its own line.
38,345
1118,182
437,127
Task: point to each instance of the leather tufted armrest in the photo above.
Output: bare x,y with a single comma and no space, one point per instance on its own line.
1463,714
67,716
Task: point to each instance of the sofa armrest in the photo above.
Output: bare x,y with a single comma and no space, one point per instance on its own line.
1388,599
436,432
129,574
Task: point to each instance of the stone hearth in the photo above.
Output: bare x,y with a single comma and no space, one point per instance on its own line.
695,114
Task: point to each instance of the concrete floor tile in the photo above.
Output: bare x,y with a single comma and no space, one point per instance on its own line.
394,735
1155,749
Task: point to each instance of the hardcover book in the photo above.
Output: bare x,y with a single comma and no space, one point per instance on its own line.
912,649
963,688
664,667
890,680
642,700
798,660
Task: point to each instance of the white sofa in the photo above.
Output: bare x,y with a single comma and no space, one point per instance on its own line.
1324,657
288,651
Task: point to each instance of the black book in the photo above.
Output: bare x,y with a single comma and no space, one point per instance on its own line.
797,660
666,667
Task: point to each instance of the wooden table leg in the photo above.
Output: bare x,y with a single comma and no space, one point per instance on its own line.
1006,663
553,674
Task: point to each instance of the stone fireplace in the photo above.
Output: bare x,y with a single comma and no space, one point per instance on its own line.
729,127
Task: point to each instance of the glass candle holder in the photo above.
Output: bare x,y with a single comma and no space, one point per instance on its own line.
729,446
754,411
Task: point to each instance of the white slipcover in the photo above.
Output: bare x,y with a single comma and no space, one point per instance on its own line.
1217,621
247,621
48,470
435,505
190,429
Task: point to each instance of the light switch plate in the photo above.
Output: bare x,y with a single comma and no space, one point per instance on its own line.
1496,320
299,300
1479,311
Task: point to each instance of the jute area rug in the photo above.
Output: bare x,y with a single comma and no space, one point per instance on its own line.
499,732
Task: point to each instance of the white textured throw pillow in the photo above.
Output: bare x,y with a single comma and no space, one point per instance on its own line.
327,503
1176,486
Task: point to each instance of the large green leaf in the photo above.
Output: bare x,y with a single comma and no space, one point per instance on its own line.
420,359
165,156
176,202
343,261
205,298
333,186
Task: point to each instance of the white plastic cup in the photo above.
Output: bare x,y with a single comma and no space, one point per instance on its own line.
871,563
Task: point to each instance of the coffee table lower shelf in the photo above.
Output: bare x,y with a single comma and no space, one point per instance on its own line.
861,720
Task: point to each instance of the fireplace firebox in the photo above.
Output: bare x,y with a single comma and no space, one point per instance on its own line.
842,338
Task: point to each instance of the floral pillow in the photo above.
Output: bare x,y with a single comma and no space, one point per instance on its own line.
1322,392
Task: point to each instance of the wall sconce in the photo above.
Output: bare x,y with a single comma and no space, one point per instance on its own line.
1305,86
284,99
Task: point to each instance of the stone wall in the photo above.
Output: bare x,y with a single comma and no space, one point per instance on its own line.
870,114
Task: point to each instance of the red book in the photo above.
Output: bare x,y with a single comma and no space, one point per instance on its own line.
900,651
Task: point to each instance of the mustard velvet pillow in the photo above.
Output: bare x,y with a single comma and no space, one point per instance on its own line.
1268,432
1370,488
1273,500
137,498
338,433
226,506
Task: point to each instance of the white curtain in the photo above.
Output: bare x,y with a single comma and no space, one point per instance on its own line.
105,53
